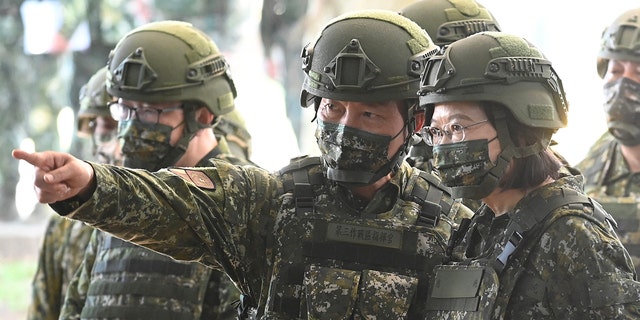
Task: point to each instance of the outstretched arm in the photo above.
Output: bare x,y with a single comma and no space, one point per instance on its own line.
59,176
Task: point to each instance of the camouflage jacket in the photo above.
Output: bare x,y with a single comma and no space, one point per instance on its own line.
215,299
232,216
61,253
609,181
568,265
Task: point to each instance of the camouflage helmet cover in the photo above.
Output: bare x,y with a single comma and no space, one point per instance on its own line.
94,101
171,61
347,61
620,41
499,67
449,20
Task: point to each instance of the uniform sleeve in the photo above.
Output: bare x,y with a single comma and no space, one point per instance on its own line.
588,273
213,215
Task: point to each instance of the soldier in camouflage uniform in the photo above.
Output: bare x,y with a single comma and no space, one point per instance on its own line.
109,20
611,167
446,21
538,248
219,20
172,85
65,240
351,234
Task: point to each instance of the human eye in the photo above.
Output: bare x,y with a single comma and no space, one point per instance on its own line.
456,128
434,132
368,114
331,111
615,69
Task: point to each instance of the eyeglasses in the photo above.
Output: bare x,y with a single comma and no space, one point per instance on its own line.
456,132
121,112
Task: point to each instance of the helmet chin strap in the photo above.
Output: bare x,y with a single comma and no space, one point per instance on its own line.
191,127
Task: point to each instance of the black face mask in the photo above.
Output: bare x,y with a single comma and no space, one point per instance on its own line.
144,145
622,104
353,156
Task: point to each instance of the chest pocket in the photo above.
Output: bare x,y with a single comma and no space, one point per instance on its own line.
334,293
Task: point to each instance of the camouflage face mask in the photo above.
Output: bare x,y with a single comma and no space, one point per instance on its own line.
464,164
623,107
144,145
352,155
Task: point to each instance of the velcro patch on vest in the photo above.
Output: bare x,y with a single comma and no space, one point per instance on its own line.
198,178
460,283
351,233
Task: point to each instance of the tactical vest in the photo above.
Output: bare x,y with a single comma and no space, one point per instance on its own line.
472,289
130,282
331,265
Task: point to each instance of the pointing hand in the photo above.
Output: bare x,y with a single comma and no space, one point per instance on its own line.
59,176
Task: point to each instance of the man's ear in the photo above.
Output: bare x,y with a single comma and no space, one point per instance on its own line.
419,121
204,116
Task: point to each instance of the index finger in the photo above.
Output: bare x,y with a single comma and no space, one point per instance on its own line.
33,158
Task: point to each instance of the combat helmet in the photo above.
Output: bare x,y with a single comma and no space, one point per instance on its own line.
620,41
171,61
94,102
367,56
499,67
449,20
347,61
513,80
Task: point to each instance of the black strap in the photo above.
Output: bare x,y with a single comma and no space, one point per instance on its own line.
245,307
303,192
523,225
530,216
430,200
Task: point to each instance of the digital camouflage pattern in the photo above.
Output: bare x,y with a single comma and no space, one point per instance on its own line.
348,148
622,107
85,300
60,255
609,181
421,157
236,217
205,293
471,158
233,128
569,265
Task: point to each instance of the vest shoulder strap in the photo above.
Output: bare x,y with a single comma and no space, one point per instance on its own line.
431,196
545,214
299,180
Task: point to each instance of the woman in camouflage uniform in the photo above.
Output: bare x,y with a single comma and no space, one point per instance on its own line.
538,248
